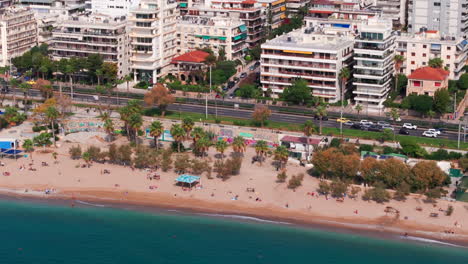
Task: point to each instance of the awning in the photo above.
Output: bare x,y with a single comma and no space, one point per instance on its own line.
245,135
243,28
320,12
455,173
222,38
183,4
185,178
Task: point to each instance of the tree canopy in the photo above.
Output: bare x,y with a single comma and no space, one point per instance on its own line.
298,93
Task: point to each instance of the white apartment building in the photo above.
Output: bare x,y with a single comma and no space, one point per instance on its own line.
5,3
274,11
449,17
293,6
18,32
373,67
418,49
314,54
393,9
113,7
82,36
153,38
215,33
247,11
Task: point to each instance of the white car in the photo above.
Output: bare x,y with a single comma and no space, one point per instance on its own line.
429,134
365,122
383,123
388,127
409,126
434,131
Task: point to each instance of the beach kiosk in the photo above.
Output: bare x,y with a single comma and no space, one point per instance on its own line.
9,146
189,180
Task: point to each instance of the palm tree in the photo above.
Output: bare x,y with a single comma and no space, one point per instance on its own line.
108,125
156,130
178,133
436,63
308,130
398,59
128,78
99,74
238,144
321,111
197,133
14,84
221,147
430,114
25,87
261,148
52,115
28,146
135,123
187,125
69,70
202,146
358,108
281,155
344,76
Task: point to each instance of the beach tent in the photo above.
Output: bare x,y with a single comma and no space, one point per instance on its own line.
188,179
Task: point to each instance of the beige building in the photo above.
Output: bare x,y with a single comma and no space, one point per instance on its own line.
216,33
18,33
82,36
419,48
274,12
427,80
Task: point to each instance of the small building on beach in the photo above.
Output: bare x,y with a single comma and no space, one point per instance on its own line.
300,147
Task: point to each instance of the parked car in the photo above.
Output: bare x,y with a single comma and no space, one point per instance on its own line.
409,126
365,126
243,75
375,128
441,130
231,84
257,64
434,131
342,120
236,80
251,68
366,122
429,134
349,123
403,131
356,126
383,123
388,127
324,118
225,88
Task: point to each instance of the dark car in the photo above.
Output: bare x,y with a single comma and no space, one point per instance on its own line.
356,126
230,84
236,79
257,64
403,131
324,118
243,75
375,128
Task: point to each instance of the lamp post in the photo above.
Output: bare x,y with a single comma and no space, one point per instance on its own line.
206,98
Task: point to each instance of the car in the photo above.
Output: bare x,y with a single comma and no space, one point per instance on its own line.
236,80
257,64
251,68
324,118
375,128
243,75
366,122
348,123
388,127
403,131
434,131
383,123
365,126
429,134
441,130
409,126
231,84
356,126
225,88
342,120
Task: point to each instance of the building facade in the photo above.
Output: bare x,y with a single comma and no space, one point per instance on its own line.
113,7
394,10
449,17
274,12
313,54
216,33
426,81
374,66
83,36
153,38
18,33
418,49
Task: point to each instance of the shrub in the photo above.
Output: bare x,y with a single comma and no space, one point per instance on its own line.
366,147
377,194
402,191
335,143
295,181
281,177
338,188
94,153
324,188
182,164
75,152
388,150
166,162
449,211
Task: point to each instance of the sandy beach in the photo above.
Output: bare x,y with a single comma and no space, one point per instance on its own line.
66,179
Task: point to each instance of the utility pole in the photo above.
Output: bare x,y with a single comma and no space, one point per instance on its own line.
206,98
459,132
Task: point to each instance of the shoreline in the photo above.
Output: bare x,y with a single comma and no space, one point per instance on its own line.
159,202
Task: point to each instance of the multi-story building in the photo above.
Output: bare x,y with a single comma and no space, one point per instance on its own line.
113,7
18,32
393,9
449,17
314,54
83,36
418,49
341,10
245,10
216,33
153,38
5,3
373,67
293,6
274,12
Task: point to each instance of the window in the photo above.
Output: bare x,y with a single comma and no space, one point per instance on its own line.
417,83
424,46
438,84
413,54
448,56
449,48
424,63
424,54
436,4
412,62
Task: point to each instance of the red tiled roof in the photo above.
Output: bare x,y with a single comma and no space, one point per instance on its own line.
302,140
196,56
429,73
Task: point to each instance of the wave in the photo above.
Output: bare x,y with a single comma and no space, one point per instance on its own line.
91,204
430,241
243,217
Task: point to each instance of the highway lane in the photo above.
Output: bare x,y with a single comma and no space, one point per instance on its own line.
234,113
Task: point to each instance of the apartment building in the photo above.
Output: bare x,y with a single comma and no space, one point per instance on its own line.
245,10
341,10
113,7
18,32
314,54
449,17
394,10
5,3
418,49
82,36
153,38
216,33
293,6
274,11
373,67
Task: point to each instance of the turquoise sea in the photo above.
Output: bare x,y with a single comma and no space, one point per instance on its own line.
42,233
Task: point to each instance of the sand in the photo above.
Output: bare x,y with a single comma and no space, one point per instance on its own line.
275,200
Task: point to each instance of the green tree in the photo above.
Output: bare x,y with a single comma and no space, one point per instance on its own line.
394,114
358,109
43,139
308,129
135,122
178,133
248,91
261,148
156,129
52,114
338,188
281,155
441,101
238,144
436,63
410,147
402,82
261,114
320,112
462,82
197,133
28,147
25,87
398,60
14,83
421,103
221,147
298,93
187,125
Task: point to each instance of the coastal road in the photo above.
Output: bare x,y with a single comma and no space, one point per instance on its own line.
229,112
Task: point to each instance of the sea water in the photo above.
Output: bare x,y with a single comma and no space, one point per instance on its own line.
42,233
